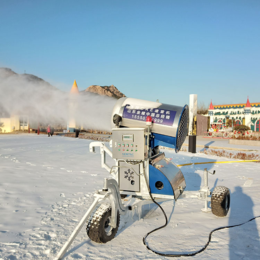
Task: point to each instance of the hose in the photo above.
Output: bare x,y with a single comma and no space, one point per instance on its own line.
166,219
166,223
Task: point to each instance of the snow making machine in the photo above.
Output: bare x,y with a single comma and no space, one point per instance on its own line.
139,128
140,170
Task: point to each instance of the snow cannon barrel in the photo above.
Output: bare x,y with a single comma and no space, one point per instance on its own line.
169,123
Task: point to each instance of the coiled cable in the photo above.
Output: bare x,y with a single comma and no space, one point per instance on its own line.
166,223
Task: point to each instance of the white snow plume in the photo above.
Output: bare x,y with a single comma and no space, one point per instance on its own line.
31,96
94,111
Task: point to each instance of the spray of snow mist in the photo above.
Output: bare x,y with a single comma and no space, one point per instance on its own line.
44,104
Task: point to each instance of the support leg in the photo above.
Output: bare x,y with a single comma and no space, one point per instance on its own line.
76,230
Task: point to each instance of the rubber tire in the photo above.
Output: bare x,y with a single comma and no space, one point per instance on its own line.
96,225
220,201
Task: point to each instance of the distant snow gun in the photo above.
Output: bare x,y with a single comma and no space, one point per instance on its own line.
140,169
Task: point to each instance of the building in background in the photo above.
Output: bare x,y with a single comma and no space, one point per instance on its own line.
13,122
244,114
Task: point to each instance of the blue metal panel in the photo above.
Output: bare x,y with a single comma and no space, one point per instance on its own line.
163,140
72,130
154,176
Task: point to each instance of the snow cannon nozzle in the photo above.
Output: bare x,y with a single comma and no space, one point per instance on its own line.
117,119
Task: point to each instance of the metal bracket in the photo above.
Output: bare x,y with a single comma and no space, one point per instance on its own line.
204,191
115,200
103,151
98,198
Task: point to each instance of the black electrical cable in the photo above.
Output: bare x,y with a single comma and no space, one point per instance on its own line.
184,254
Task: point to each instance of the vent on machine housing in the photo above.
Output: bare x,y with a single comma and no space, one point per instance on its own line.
183,128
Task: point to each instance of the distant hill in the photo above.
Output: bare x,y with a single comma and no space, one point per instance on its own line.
110,91
25,94
6,73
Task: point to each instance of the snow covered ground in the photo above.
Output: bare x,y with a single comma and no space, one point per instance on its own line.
47,184
212,142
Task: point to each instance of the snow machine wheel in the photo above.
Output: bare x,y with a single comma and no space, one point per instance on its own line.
98,228
220,201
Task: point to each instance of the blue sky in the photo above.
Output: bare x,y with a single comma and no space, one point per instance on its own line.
150,50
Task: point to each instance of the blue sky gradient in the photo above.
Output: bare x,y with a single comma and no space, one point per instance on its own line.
150,50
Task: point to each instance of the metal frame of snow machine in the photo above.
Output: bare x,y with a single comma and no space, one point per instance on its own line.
140,169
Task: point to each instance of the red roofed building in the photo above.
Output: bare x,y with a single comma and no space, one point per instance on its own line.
243,114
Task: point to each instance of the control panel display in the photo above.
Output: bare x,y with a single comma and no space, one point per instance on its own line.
128,138
129,143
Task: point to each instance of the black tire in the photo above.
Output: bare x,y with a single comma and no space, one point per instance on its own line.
220,201
98,228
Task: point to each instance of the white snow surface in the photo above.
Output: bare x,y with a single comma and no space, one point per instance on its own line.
47,185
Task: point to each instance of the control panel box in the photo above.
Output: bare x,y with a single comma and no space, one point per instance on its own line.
129,143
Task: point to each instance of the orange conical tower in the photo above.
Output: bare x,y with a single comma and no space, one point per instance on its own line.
74,88
73,98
